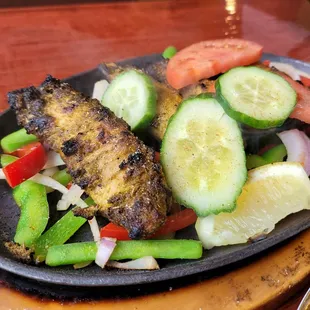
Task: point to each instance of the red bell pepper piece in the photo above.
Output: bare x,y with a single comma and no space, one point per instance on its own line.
174,222
25,149
27,166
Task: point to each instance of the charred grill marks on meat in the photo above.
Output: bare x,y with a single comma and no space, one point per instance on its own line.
115,168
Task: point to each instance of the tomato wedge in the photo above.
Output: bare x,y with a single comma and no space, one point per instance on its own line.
174,222
305,81
27,166
209,58
302,109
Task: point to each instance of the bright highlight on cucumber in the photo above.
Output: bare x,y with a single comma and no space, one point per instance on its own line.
203,157
255,97
132,96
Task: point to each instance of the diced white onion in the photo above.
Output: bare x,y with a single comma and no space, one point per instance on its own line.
99,89
48,181
70,198
94,229
53,160
50,171
298,147
82,265
2,175
289,70
143,263
105,249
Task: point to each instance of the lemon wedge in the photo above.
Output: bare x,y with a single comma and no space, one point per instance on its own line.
271,193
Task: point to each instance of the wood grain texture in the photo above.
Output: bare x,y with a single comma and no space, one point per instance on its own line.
64,40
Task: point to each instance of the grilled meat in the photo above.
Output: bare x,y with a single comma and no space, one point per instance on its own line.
103,157
168,99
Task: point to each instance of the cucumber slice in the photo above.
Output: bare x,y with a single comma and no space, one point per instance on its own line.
255,97
203,157
132,96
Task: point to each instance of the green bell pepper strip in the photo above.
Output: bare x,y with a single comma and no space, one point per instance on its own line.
275,154
74,253
169,52
254,161
62,177
59,233
17,139
32,200
7,159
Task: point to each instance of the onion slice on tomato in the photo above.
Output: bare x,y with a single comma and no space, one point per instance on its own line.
2,175
298,147
105,249
143,263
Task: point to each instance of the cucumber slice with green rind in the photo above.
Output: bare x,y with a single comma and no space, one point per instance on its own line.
203,157
255,97
132,96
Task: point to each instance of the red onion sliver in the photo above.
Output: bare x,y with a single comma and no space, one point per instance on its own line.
297,146
105,249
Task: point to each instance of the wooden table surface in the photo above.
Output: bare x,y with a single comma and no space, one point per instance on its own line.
67,39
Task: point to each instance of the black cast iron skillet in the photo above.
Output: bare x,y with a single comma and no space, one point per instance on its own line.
93,276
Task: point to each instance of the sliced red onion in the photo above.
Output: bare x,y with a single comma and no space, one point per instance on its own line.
94,229
70,198
297,146
289,70
99,89
50,171
143,263
53,160
105,249
82,265
48,181
2,175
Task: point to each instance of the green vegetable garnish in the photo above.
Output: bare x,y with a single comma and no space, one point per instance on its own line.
276,154
254,161
74,253
32,200
59,233
169,52
16,140
7,159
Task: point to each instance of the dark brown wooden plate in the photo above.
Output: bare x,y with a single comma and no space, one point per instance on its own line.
170,269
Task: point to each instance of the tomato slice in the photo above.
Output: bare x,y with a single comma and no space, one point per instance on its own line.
26,166
305,81
302,109
209,58
174,222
